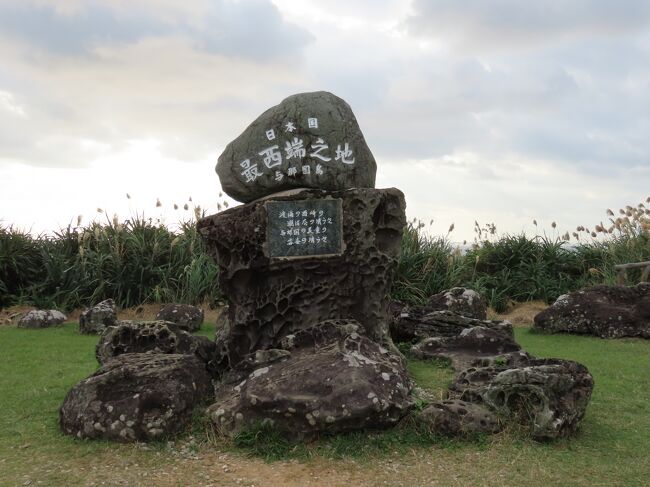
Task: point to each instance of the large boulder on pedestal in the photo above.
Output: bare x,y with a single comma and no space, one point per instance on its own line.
310,140
346,272
136,397
329,378
603,311
152,337
96,319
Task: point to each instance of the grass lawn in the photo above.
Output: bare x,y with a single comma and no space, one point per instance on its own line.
38,367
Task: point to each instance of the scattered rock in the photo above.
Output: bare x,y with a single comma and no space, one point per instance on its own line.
185,316
458,418
471,346
309,140
417,322
271,298
465,302
154,337
40,318
95,319
136,397
326,379
547,396
603,311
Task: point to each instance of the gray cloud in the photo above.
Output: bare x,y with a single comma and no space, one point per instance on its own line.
203,77
582,102
484,24
46,28
96,76
253,29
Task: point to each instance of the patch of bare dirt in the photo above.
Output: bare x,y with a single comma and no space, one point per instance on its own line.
10,316
418,467
149,312
521,314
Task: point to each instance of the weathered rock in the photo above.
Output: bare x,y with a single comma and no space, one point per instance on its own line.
326,379
221,325
154,337
185,316
273,297
40,318
604,311
548,396
314,134
95,319
395,309
469,347
466,302
416,323
458,418
136,397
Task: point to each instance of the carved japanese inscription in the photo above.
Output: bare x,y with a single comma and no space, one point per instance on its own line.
303,228
310,140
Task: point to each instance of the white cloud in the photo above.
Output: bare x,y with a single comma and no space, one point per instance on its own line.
497,111
9,104
252,29
454,189
159,87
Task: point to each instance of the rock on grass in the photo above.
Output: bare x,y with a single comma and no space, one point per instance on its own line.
136,397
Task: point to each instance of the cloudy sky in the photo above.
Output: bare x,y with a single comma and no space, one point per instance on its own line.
492,110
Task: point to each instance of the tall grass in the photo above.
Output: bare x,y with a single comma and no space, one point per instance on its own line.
139,261
514,268
427,265
518,268
133,262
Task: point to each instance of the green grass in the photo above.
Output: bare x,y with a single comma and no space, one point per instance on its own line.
37,367
616,430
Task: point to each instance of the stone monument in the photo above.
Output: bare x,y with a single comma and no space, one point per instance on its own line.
315,245
306,348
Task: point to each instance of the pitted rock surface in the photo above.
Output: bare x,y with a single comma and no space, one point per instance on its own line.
272,298
40,318
466,302
185,316
458,418
470,346
329,379
548,396
603,311
222,325
95,319
153,337
415,323
245,176
136,397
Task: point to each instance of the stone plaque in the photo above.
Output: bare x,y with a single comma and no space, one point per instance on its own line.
304,228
